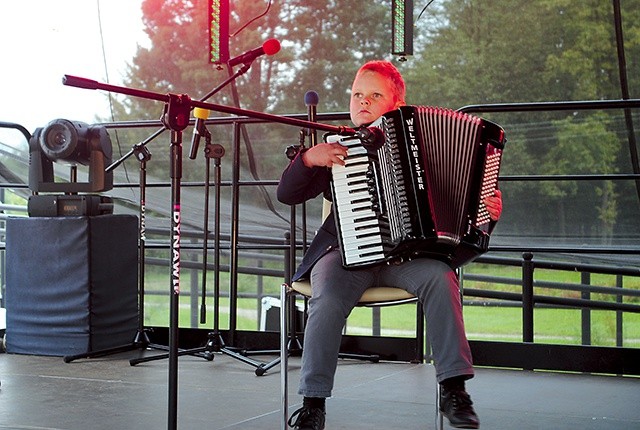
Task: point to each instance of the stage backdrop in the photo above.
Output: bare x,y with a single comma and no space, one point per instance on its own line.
71,283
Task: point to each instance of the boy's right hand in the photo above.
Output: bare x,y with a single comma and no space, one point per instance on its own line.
324,154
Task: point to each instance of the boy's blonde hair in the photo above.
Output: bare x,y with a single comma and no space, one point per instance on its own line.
389,71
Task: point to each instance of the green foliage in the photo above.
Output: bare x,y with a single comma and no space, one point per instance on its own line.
585,64
594,150
486,52
313,55
326,42
466,53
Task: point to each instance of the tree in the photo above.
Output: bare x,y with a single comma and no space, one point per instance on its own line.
314,56
328,41
467,52
593,149
504,51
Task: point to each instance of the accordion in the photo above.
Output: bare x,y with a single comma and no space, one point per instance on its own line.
417,190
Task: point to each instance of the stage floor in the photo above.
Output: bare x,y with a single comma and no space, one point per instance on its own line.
107,393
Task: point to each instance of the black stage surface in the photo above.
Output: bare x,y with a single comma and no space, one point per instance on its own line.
40,392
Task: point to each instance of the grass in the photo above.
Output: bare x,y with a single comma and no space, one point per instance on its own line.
558,326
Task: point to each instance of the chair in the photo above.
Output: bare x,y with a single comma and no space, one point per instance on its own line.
372,297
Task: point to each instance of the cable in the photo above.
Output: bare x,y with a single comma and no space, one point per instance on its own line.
254,19
422,11
110,96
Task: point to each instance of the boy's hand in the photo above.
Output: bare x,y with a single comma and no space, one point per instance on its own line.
324,154
494,205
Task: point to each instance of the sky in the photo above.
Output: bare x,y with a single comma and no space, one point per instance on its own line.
42,40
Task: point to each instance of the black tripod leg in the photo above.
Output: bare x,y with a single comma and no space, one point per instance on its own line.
179,353
140,341
102,353
214,344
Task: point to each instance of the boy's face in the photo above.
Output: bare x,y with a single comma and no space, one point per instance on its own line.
371,96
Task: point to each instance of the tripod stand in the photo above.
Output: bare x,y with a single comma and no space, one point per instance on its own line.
141,338
215,342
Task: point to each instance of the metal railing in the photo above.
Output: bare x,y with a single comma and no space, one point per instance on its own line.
237,247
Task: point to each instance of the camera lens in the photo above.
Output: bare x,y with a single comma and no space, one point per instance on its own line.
58,136
59,140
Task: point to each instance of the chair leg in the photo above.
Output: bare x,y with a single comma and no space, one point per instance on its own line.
439,416
284,356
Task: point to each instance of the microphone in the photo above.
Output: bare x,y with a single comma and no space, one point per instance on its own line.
270,47
199,129
372,137
311,100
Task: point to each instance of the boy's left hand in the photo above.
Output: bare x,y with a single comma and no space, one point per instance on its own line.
494,205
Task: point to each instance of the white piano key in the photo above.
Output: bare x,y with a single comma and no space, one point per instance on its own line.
361,243
359,258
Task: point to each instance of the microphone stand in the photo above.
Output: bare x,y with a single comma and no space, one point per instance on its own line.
141,339
176,118
289,332
90,84
143,155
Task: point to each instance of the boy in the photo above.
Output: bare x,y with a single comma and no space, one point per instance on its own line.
377,88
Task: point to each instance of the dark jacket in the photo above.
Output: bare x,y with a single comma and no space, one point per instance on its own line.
298,184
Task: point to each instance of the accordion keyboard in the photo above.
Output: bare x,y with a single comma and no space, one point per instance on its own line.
361,234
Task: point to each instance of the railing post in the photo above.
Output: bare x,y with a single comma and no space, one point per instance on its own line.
585,279
287,257
259,290
193,298
619,322
193,291
376,326
527,297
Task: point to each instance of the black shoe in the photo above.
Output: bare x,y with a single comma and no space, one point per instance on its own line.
456,405
308,419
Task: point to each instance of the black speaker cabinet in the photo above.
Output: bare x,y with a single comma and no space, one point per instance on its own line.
71,283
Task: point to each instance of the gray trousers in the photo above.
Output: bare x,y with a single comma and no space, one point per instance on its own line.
335,292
